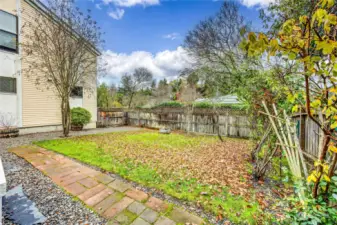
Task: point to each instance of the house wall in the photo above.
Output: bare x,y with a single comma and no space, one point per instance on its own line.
8,101
90,100
8,6
9,67
40,106
76,102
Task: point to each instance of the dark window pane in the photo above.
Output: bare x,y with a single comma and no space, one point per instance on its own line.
7,84
8,22
77,92
7,40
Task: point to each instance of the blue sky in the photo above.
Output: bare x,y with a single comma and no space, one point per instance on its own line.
150,32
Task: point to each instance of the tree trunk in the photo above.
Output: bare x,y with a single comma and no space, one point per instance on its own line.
130,101
331,171
65,110
320,167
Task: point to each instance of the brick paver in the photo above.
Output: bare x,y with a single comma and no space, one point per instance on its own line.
137,195
88,182
119,185
139,221
118,207
181,216
112,198
75,188
156,204
136,208
103,178
98,197
149,215
106,203
91,192
125,217
164,221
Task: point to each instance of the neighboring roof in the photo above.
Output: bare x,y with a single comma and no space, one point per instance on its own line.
43,8
226,99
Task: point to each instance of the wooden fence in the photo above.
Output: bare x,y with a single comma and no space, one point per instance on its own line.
309,134
228,122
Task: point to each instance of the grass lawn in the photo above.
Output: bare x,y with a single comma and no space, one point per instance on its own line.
195,168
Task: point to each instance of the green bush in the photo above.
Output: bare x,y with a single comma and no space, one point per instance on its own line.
208,105
322,210
172,104
80,116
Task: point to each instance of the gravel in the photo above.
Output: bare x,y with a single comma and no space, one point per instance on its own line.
53,202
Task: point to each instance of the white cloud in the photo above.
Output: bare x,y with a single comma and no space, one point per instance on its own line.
129,3
171,36
117,14
98,6
251,3
166,64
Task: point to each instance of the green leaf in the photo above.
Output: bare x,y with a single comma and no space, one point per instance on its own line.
334,196
328,3
334,125
292,55
332,19
320,15
316,103
295,108
252,37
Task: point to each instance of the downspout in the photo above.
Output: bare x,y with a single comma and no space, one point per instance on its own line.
18,66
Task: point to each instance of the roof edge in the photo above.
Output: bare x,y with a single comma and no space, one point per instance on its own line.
44,9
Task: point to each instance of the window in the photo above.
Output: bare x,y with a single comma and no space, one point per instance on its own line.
7,84
8,31
77,92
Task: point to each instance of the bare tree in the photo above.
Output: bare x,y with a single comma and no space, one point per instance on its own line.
214,42
162,93
61,51
140,79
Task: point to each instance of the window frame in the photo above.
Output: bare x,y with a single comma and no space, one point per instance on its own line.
77,96
16,50
15,86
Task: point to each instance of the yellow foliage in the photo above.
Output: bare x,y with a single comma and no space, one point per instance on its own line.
333,148
313,176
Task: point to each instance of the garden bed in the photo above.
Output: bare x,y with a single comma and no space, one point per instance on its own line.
213,175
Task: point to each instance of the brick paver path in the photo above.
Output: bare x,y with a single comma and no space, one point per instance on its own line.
111,198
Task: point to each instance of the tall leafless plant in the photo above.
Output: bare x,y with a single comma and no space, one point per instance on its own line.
7,120
60,49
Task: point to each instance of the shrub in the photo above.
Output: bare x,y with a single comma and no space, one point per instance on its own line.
208,105
80,116
322,210
172,104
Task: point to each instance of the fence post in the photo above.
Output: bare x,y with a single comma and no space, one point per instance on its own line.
227,122
138,117
126,118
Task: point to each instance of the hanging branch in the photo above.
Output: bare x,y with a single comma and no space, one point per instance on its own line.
261,143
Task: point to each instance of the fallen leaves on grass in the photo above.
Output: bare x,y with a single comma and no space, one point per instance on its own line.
188,156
